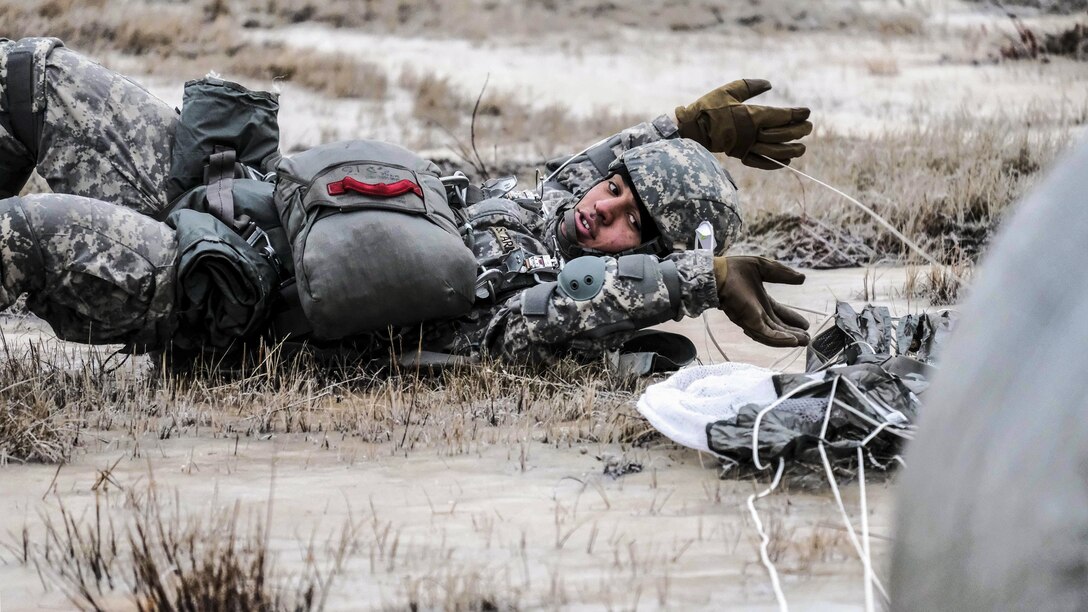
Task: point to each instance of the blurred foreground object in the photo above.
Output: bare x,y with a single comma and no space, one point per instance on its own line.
993,508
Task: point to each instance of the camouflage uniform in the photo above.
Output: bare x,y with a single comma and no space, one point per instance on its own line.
542,323
105,137
101,135
96,272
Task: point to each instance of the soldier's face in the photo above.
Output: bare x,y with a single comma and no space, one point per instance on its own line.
607,217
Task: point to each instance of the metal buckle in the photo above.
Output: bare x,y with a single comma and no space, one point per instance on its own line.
256,234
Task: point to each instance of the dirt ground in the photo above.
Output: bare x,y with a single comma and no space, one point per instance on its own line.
515,519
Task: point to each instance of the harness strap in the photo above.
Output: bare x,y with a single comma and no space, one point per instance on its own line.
219,176
534,301
26,121
671,277
220,180
601,156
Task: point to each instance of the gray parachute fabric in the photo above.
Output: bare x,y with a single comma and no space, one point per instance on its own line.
875,369
224,286
374,241
865,375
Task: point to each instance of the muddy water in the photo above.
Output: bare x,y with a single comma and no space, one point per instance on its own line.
519,521
529,524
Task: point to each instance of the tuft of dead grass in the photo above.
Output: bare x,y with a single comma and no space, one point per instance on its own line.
141,546
1028,44
940,285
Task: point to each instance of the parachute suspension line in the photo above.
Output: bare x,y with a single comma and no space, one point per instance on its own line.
706,324
861,551
570,159
764,539
772,406
808,310
891,228
868,559
795,353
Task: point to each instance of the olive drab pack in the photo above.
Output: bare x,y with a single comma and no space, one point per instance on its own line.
373,239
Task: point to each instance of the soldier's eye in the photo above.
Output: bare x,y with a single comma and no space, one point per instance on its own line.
613,188
633,219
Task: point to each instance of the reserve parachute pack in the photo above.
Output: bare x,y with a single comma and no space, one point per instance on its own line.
373,239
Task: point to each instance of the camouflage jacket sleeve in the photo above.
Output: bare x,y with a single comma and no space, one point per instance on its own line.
546,322
588,168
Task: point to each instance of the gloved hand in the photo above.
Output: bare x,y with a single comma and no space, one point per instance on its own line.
723,124
744,300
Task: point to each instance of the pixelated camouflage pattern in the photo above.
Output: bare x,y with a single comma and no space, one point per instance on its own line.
104,136
97,273
681,184
580,175
513,336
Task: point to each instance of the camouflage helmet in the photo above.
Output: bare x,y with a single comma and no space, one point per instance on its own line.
681,185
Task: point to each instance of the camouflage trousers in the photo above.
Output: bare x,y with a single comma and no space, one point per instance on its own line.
96,272
100,134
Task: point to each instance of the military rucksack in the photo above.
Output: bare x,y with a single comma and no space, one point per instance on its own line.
373,239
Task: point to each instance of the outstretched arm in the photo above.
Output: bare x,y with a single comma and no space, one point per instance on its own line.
586,314
621,295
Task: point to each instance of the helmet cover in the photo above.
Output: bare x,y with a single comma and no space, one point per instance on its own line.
681,185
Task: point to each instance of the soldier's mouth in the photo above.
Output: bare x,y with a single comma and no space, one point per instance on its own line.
582,225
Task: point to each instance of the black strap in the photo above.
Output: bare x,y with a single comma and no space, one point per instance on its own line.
473,194
602,156
534,301
220,180
289,320
20,93
672,282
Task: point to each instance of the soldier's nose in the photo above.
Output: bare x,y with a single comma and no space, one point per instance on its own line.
605,209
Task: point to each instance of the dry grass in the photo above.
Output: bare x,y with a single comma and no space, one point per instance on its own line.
334,75
882,66
49,399
946,183
140,546
1030,44
940,285
43,397
480,19
500,120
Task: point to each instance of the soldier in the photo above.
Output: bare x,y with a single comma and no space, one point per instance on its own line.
99,265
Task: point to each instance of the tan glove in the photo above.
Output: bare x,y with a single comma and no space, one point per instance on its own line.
744,300
723,124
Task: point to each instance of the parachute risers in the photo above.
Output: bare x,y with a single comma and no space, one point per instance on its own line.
373,239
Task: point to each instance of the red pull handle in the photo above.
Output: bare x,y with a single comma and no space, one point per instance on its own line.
385,190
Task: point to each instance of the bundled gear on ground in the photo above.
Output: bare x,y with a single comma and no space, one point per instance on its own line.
865,378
